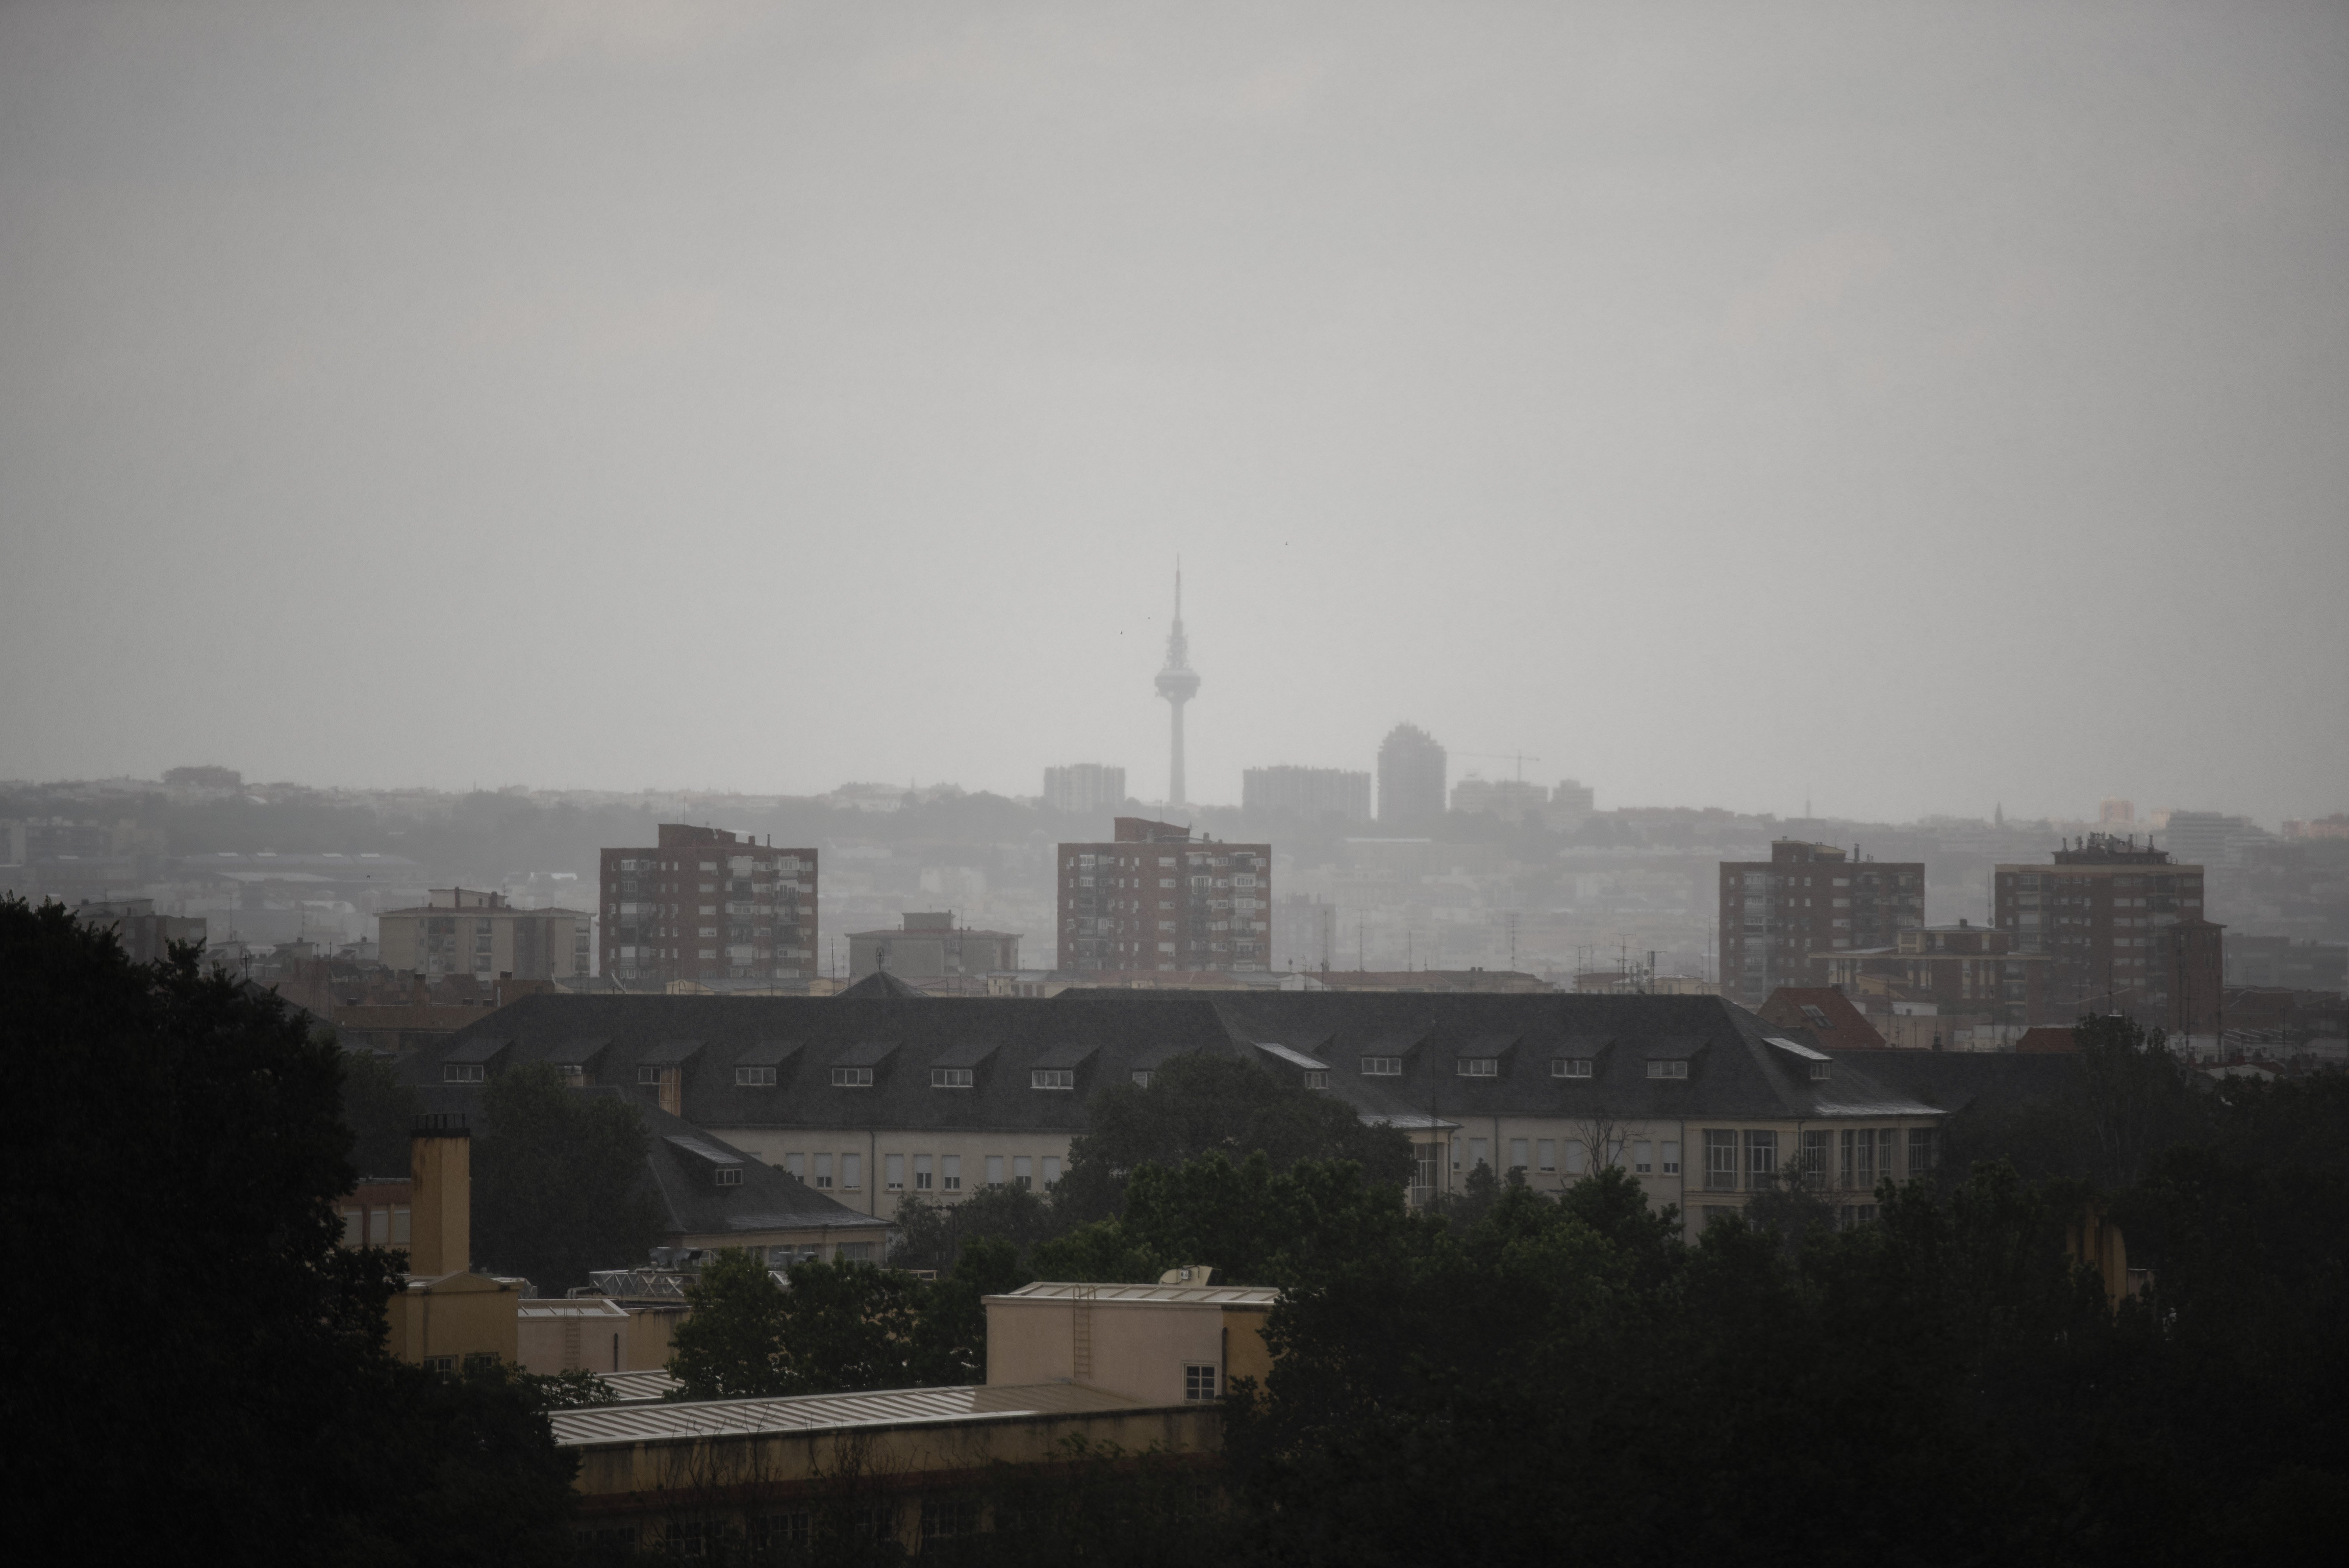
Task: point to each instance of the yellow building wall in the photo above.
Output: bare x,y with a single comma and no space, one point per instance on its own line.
1138,1349
455,1317
740,1474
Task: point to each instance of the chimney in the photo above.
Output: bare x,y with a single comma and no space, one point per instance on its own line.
440,1168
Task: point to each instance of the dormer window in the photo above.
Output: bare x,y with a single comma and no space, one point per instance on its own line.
1052,1077
1142,1078
754,1078
1382,1067
952,1077
1479,1066
852,1078
1569,1067
574,1077
649,1078
1673,1069
463,1072
1317,1080
1818,1072
727,1176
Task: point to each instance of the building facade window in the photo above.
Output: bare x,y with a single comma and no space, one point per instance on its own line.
1922,1154
1546,1154
1815,1159
1761,1159
950,1173
852,1078
754,1078
1678,1069
852,1171
1643,1158
893,1173
1569,1067
823,1171
1382,1067
1052,1077
1479,1066
922,1174
1051,1171
1720,1159
995,1169
1672,1160
952,1078
1198,1382
1519,1159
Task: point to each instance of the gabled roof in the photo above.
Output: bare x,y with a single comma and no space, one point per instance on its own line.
865,1054
1734,1072
579,1053
481,1048
880,984
767,1054
1825,1012
678,1167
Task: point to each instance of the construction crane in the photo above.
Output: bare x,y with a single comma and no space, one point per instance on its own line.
1519,758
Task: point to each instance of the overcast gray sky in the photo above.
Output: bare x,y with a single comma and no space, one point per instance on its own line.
1925,407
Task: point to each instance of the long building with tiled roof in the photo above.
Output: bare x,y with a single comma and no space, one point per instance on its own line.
867,1099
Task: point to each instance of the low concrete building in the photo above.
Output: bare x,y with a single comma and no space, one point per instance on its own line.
930,946
464,931
1142,1367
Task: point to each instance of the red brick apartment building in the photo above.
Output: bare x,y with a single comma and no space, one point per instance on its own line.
1157,899
2122,929
705,904
1961,969
1803,902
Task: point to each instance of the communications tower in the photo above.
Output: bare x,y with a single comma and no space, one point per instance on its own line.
1178,683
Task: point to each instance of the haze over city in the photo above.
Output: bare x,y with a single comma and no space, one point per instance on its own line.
1911,411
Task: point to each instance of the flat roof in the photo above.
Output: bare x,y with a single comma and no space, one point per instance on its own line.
608,1426
1164,1294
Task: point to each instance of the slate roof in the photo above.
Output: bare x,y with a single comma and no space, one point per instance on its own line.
1107,1035
680,1165
1959,1080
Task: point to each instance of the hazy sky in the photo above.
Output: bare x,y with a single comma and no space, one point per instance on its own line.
1925,407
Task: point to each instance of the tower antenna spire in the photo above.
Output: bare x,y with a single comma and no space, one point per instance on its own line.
1177,683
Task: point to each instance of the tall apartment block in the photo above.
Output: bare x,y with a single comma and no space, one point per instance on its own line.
705,904
1308,793
1411,776
1780,918
1155,898
464,931
1084,787
2124,929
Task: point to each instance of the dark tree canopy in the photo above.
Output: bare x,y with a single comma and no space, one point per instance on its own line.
1198,1104
222,1380
836,1327
559,1182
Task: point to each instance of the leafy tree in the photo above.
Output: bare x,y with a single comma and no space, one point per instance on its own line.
933,1235
559,1180
837,1327
1197,1104
949,1337
381,1111
730,1345
227,1383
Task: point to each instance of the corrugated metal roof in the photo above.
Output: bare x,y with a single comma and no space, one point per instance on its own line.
637,1387
1163,1294
570,1306
600,1426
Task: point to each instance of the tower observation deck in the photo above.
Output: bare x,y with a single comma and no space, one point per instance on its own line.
1178,683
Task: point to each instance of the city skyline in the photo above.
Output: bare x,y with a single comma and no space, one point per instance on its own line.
1576,388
